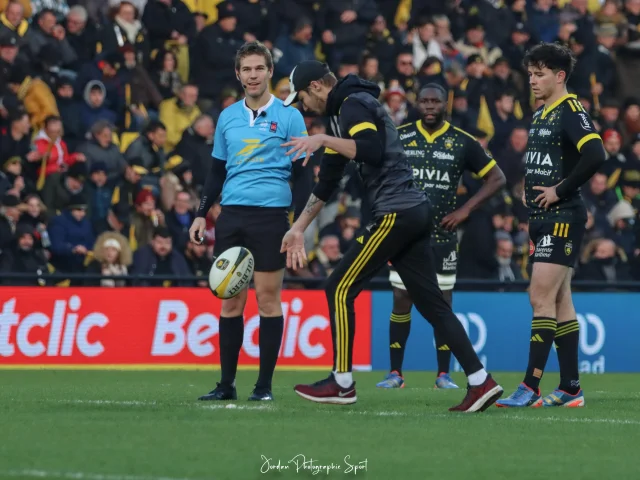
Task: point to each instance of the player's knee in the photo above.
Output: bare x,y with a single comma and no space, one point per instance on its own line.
234,307
401,301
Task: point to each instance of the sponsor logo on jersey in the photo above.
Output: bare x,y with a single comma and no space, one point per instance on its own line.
414,153
408,135
431,174
414,143
537,158
450,262
443,156
544,132
584,121
544,247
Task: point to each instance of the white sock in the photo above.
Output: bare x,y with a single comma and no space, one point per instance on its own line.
477,378
344,379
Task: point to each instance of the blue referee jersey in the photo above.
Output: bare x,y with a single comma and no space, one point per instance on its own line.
258,171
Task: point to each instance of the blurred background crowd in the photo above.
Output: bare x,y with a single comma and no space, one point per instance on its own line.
108,111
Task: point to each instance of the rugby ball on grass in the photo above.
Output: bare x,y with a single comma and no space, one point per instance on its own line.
231,272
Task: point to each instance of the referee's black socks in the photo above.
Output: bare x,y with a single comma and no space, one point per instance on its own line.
399,329
231,335
543,331
271,329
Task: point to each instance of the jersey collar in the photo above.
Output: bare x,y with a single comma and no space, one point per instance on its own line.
252,120
546,110
431,137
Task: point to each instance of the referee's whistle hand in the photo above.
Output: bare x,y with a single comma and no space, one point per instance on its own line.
196,232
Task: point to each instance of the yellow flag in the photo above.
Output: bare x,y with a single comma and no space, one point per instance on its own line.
485,123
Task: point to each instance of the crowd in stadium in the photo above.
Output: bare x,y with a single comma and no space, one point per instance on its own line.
108,111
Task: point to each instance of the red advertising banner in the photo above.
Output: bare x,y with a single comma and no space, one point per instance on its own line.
123,327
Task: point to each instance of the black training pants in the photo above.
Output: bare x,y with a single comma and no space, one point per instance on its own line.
403,239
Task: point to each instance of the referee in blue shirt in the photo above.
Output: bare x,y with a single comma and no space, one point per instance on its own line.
252,171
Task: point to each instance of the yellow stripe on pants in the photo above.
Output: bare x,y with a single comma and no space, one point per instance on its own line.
342,317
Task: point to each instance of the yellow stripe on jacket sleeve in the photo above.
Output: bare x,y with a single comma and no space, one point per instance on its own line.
362,126
586,138
486,168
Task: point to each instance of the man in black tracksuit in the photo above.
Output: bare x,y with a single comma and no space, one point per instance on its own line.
364,133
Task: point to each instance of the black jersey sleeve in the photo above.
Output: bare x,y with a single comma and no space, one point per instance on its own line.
577,125
477,159
579,128
331,171
359,122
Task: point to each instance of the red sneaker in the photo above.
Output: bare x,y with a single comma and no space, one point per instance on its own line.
328,391
480,397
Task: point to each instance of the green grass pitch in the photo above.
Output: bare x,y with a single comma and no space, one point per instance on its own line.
147,425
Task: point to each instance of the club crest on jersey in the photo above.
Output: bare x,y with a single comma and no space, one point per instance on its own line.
273,127
553,117
448,143
532,248
568,248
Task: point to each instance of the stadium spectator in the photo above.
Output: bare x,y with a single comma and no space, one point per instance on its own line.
24,257
9,216
144,220
59,190
14,22
99,193
179,220
70,112
196,144
179,113
94,108
101,149
160,259
603,261
34,94
326,256
71,236
165,75
215,45
199,261
126,29
111,257
508,270
149,148
293,49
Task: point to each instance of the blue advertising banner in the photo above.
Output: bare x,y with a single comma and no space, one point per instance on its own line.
499,325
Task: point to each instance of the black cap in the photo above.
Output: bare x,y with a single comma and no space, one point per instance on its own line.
9,200
474,58
226,10
78,171
9,40
302,75
520,28
162,232
77,201
23,229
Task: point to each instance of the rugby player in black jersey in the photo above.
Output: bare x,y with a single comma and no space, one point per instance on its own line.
563,152
363,132
438,153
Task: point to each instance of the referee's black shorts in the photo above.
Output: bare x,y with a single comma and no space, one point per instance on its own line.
258,229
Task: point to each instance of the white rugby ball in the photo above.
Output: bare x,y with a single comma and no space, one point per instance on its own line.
231,272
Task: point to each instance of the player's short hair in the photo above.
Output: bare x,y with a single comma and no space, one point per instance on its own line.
553,56
433,86
254,48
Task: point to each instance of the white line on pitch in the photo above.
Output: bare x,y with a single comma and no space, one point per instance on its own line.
80,475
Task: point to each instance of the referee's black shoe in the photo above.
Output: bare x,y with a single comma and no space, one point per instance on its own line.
221,392
261,394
